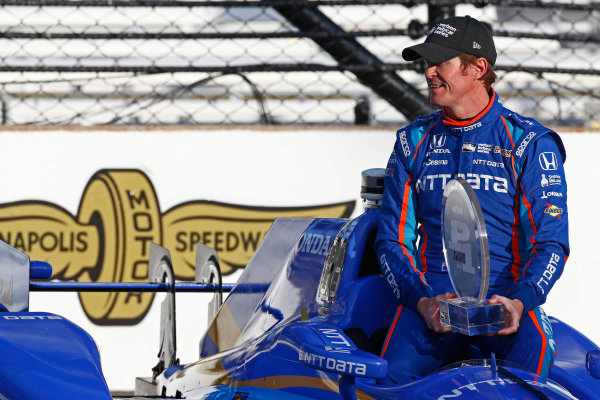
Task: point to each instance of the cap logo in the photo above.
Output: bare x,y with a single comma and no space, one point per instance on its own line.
476,45
444,30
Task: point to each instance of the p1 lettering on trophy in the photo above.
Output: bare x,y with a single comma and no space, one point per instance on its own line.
467,255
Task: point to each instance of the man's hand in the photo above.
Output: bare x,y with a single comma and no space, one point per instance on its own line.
429,309
513,310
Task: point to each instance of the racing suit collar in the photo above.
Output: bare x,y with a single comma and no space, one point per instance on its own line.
459,124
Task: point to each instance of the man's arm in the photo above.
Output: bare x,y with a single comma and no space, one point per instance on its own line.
397,235
544,222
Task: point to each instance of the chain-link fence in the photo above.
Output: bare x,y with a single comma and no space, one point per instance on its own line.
278,61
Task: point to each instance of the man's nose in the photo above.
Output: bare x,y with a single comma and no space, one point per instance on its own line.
430,71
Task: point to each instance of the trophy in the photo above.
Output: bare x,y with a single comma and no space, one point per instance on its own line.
467,255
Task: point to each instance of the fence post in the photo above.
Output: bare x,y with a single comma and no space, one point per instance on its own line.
4,108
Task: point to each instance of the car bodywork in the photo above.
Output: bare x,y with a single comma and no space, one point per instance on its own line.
308,317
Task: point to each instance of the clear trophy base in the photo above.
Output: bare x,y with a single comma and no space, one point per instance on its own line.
466,316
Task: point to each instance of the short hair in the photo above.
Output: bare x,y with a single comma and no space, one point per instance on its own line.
488,78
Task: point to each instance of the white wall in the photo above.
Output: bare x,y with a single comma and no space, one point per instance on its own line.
253,167
575,296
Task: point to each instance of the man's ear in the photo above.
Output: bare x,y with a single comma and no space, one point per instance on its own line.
480,66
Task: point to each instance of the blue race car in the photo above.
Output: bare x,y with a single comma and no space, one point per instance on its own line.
306,320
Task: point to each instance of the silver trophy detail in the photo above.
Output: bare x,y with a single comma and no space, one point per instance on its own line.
467,255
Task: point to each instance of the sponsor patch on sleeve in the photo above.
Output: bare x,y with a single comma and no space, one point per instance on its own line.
553,210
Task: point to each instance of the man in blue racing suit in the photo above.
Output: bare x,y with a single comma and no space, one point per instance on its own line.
515,166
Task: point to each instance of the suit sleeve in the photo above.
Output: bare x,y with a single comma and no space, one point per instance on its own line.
544,221
397,234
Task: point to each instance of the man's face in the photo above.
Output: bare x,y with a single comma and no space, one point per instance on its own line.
449,85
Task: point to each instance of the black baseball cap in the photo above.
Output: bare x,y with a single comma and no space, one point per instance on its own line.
453,37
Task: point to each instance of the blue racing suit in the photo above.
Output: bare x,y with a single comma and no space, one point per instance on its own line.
515,166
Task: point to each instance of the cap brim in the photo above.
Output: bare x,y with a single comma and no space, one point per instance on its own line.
431,52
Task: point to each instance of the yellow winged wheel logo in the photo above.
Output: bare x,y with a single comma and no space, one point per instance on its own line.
118,217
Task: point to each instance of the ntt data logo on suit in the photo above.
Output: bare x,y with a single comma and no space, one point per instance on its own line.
119,216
